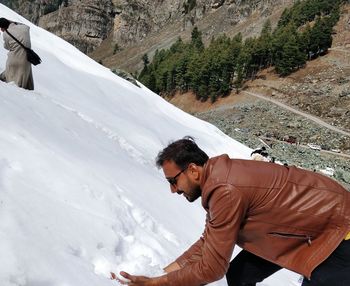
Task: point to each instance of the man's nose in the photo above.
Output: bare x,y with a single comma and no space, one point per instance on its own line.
174,189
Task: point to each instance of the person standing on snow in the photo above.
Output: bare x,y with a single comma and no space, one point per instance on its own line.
18,69
281,216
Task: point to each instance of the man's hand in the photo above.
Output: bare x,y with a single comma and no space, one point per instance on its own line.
134,280
139,280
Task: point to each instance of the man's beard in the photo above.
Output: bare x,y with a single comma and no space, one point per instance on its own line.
193,194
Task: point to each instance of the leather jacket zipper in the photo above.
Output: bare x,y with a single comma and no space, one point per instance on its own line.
296,236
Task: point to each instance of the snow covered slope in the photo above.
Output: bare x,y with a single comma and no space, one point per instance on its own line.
79,193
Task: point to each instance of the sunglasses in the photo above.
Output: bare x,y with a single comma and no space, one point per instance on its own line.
173,180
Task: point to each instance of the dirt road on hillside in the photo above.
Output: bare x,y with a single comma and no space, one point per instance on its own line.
296,111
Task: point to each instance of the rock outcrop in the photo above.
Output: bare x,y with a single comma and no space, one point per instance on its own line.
86,23
139,18
143,26
83,23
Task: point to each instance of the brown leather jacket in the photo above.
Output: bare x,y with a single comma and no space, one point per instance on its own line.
289,216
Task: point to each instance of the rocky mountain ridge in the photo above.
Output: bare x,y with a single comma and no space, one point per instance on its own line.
118,32
171,20
82,23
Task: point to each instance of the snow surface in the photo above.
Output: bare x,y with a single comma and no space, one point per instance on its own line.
80,195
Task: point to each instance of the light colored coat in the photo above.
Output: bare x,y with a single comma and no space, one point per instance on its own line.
18,69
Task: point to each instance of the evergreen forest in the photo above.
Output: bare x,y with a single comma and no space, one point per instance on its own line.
303,32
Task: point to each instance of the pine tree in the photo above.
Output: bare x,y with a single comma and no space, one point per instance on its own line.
145,60
263,47
321,36
196,39
291,57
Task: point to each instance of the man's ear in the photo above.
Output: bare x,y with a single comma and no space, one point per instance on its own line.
194,170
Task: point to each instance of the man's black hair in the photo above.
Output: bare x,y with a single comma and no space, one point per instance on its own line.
182,152
4,23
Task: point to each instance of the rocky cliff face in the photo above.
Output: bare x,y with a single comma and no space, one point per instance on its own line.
83,23
143,26
30,10
86,23
137,19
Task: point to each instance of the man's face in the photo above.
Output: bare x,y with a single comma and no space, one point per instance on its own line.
185,182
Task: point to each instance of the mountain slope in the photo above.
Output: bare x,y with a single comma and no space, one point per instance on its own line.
131,28
229,17
80,195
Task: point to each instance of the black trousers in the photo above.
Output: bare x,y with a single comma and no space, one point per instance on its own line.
247,269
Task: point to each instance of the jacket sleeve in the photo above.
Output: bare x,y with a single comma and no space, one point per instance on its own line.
226,212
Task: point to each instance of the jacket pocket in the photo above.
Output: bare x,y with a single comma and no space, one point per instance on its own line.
305,237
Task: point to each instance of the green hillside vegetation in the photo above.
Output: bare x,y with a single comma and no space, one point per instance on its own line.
304,32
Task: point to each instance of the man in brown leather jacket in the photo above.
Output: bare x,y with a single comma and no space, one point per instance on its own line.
280,216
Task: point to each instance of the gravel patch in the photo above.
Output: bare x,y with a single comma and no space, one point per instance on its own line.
252,122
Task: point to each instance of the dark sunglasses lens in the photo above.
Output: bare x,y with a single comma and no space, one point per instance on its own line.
172,181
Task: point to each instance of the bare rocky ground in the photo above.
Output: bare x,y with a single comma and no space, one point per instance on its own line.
257,122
